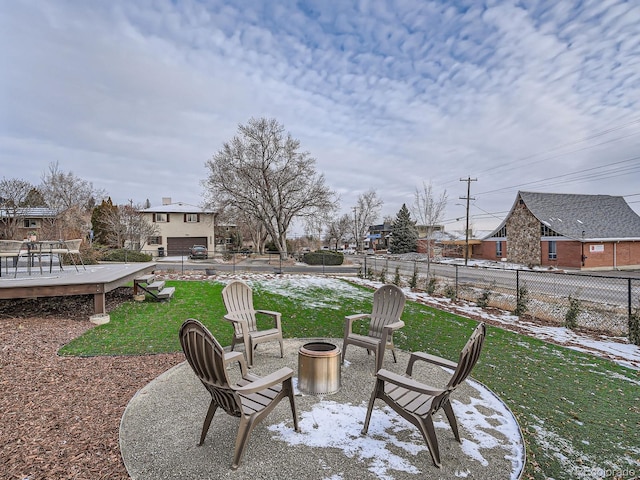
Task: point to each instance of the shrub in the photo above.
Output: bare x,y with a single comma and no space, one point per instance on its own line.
396,277
634,327
571,317
450,292
432,285
522,302
370,274
413,281
124,255
483,299
383,276
323,257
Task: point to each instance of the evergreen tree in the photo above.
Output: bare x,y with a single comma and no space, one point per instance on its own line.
404,234
98,216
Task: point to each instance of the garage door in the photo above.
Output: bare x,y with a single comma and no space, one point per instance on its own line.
180,245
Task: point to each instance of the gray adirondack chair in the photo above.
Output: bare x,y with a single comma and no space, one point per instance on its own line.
238,300
250,399
384,319
418,402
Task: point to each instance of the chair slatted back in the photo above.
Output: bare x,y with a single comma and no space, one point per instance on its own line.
468,359
206,357
238,299
468,356
388,305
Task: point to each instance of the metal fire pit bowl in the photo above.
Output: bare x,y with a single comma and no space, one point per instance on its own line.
319,368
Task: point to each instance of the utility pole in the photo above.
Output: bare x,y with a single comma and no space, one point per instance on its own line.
466,231
355,227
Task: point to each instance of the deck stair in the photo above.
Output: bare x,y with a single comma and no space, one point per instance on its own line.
155,288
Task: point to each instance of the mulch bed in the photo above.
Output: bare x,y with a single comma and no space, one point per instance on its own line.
61,415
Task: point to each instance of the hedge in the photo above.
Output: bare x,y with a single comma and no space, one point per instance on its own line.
323,257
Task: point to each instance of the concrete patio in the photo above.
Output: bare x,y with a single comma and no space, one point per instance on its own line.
162,423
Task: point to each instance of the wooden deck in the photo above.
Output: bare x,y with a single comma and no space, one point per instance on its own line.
96,280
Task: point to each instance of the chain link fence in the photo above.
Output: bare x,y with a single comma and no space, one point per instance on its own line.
600,303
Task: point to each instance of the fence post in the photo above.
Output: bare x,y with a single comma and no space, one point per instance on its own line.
630,307
456,281
365,267
517,287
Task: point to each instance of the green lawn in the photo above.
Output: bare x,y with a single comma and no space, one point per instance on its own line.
580,414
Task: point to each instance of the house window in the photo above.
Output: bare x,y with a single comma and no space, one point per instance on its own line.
553,254
191,217
154,241
30,223
499,249
501,233
160,217
547,232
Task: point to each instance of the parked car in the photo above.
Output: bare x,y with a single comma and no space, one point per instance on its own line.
198,252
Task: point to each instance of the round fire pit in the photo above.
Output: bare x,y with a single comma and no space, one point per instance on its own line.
319,368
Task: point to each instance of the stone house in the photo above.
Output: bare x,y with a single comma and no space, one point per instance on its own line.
590,232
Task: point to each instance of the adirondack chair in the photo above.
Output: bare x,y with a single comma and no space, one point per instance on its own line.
251,399
418,402
238,300
388,305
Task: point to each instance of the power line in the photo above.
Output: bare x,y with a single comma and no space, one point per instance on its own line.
580,175
512,164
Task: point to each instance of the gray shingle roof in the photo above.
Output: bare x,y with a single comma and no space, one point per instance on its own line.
178,207
600,217
37,212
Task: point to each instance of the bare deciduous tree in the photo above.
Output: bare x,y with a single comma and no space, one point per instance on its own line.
65,192
366,213
262,172
14,194
338,229
127,226
429,210
314,226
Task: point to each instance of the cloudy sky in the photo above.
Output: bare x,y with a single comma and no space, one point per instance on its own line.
135,96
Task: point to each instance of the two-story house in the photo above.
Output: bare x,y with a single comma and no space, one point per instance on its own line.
180,226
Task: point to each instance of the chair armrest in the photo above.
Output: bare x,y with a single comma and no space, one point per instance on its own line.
392,327
236,357
349,319
232,318
270,380
407,382
277,317
425,357
348,322
357,316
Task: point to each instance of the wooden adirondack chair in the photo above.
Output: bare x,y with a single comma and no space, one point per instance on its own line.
388,305
250,399
238,300
418,402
